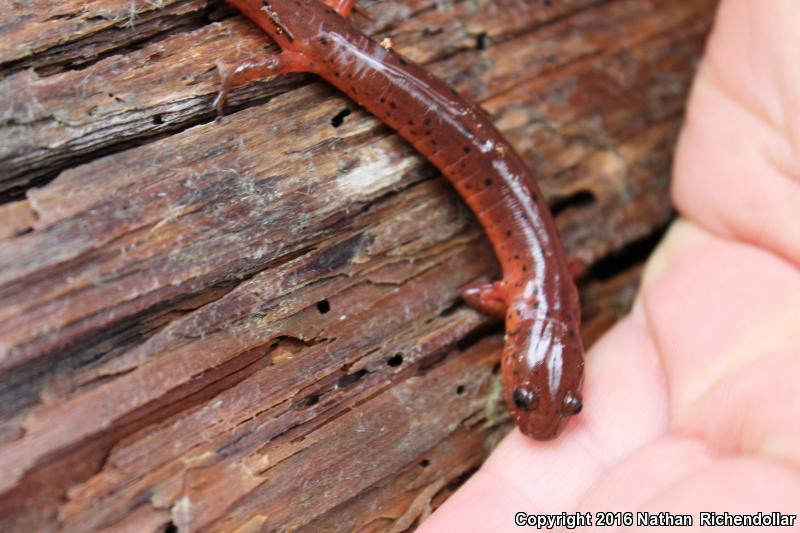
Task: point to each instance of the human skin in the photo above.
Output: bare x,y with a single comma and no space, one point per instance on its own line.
692,402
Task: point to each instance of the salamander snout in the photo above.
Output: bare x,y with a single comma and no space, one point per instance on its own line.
539,415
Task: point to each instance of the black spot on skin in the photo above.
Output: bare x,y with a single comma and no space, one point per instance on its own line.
524,268
323,41
323,306
393,105
508,234
534,197
467,149
383,100
487,182
428,122
410,122
403,62
428,133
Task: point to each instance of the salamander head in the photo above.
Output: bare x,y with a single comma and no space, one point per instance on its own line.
544,365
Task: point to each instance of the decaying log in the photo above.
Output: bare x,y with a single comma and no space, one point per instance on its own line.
254,324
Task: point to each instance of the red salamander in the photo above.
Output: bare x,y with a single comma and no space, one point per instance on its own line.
542,359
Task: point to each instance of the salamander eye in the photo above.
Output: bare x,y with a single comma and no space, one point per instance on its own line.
525,399
572,404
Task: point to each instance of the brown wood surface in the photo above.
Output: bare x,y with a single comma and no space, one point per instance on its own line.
254,324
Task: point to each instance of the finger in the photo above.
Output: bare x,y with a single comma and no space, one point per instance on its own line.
725,318
625,407
737,169
736,484
641,477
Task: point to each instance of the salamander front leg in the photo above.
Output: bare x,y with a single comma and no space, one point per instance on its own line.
258,68
344,7
488,298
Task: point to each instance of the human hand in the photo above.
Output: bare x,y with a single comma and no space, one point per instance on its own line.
692,402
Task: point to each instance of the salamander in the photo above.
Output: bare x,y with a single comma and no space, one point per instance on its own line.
542,358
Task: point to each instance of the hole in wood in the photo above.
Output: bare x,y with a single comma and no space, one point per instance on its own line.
475,336
450,309
312,400
460,390
349,379
580,199
395,360
630,255
323,306
338,120
481,41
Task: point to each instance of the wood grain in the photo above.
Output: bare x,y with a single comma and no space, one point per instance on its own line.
254,324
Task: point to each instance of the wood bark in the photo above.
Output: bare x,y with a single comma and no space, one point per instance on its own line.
254,324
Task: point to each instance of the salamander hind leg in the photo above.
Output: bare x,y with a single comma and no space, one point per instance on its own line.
258,68
578,268
488,298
